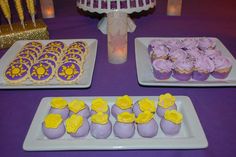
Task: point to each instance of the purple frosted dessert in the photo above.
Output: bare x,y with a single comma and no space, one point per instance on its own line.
123,104
171,123
223,66
99,105
147,127
174,44
183,70
193,54
159,52
53,126
142,105
79,107
177,54
77,126
212,53
162,69
124,126
206,43
203,66
59,106
165,102
154,44
189,43
100,127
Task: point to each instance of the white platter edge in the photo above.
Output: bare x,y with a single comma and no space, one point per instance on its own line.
83,83
151,81
197,139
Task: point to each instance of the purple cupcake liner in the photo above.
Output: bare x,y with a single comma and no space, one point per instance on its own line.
181,76
200,76
219,75
162,75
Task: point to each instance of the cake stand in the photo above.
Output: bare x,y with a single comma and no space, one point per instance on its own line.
116,23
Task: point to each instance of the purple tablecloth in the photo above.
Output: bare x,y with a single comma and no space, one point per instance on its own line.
216,107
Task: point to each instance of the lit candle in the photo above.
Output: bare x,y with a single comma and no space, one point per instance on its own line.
117,37
47,8
174,7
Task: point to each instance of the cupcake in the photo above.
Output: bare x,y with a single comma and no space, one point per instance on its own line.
177,54
53,126
146,125
194,53
203,66
162,69
189,43
174,44
142,105
124,126
153,45
79,107
223,66
100,105
183,70
212,53
59,106
77,126
159,52
100,127
206,43
171,123
165,102
123,104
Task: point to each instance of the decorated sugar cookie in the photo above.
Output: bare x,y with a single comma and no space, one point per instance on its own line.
28,52
50,61
54,50
34,44
48,56
41,72
73,51
16,73
73,56
68,72
56,44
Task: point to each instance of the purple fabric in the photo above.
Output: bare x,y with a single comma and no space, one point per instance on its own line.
216,107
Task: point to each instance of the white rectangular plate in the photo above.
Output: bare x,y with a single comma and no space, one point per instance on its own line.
191,135
145,72
84,81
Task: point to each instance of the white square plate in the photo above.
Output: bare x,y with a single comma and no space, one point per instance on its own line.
84,81
145,72
191,135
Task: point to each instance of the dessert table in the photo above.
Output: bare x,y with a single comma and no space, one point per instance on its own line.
216,107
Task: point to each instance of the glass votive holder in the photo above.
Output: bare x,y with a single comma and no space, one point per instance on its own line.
174,7
47,8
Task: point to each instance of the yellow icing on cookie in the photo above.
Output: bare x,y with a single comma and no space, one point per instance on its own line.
99,105
124,102
52,120
76,105
173,116
100,118
126,117
166,100
146,104
58,103
144,117
74,123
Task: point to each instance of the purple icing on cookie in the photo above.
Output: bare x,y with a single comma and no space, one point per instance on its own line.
30,54
50,61
36,49
124,130
63,112
16,72
54,50
34,44
83,130
59,44
73,51
41,71
115,110
101,131
68,71
72,56
48,56
20,60
52,133
169,128
148,130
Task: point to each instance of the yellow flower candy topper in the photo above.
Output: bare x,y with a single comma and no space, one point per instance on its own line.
76,105
58,103
144,117
124,102
100,118
126,117
52,121
74,123
166,100
99,105
173,116
146,104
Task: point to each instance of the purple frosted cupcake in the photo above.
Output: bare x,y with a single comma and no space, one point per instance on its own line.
223,66
59,106
203,66
77,126
53,126
177,54
123,104
194,53
146,125
100,127
124,126
153,45
171,123
174,44
165,102
79,107
162,69
206,43
189,43
183,70
159,52
212,53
